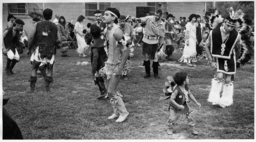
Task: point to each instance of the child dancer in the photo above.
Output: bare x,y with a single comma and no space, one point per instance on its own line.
179,100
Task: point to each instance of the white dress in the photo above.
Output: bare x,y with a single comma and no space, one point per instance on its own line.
82,46
189,52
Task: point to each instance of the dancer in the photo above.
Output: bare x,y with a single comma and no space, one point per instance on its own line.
10,44
189,52
42,46
98,58
154,34
115,63
223,42
179,99
98,21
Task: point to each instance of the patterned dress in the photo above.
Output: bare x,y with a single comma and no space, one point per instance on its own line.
189,52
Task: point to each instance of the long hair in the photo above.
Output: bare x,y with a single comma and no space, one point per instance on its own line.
64,22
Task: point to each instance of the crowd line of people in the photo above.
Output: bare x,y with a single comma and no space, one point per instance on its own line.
112,39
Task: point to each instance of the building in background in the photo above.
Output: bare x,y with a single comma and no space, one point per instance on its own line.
72,10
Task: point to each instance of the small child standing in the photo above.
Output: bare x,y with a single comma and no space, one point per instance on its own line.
178,102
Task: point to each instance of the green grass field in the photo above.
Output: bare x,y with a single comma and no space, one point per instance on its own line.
71,110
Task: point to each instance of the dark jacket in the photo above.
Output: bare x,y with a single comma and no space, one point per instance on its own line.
98,56
46,38
11,41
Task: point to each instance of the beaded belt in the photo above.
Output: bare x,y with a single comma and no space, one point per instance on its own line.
151,37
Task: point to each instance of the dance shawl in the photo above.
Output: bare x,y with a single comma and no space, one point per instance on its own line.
246,45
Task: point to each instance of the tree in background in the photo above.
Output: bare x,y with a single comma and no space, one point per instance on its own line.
246,6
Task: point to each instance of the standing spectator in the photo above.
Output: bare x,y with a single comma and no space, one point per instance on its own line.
63,36
189,52
181,19
199,28
56,19
165,15
10,20
184,22
79,28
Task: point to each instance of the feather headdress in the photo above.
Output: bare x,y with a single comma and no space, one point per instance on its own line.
235,15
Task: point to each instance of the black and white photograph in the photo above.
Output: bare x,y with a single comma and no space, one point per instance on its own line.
127,70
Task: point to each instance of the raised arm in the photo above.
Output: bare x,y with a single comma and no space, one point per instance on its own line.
143,19
89,18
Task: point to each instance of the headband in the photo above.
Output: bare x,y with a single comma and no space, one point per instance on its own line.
230,23
97,14
112,13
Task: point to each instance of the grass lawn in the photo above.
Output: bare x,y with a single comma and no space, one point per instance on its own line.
71,110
